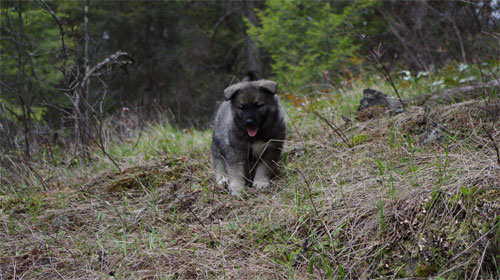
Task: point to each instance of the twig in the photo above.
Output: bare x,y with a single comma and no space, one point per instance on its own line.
57,241
309,194
46,8
490,131
451,269
219,22
103,149
124,225
495,146
308,188
480,263
386,74
36,174
335,129
101,143
210,234
139,137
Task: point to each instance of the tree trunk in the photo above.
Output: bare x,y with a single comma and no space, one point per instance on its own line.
253,54
85,126
20,82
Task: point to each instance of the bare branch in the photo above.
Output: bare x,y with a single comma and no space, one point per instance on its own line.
121,59
335,129
382,69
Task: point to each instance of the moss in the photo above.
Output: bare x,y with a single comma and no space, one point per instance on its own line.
134,180
426,270
9,202
19,204
338,144
401,273
358,139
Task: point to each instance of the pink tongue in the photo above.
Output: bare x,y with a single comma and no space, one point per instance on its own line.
252,131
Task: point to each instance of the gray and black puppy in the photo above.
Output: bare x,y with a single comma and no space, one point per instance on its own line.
248,136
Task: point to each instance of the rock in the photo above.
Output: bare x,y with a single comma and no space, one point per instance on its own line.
436,134
372,98
375,103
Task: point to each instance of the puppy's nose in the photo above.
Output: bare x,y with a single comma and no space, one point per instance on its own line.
249,121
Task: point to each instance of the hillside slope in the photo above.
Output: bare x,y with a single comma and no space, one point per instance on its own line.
411,195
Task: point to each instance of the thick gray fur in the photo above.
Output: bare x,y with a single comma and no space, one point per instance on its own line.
269,85
238,158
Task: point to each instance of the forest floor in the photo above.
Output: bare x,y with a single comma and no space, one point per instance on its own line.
411,195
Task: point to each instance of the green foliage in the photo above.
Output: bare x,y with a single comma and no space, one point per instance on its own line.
426,270
308,38
37,43
381,218
359,139
162,138
181,60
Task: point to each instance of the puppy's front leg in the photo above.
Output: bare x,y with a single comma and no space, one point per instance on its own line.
236,173
218,164
262,175
267,164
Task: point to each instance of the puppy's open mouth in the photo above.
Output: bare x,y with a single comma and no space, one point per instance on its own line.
252,130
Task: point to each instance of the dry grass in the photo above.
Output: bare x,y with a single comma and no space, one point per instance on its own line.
389,207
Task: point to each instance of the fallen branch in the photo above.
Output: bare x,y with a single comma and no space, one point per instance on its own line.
120,58
453,95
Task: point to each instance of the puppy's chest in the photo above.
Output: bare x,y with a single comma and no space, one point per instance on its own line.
257,148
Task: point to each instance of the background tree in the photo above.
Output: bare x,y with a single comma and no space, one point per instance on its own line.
185,54
428,34
307,38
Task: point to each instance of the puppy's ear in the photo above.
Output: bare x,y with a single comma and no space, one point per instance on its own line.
267,86
231,91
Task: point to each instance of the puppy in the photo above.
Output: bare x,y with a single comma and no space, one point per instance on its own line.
249,131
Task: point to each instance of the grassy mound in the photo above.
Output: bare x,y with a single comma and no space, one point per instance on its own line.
388,200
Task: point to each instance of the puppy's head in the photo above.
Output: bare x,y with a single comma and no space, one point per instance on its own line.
253,104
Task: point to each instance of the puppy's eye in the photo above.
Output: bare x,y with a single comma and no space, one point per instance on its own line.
240,106
259,105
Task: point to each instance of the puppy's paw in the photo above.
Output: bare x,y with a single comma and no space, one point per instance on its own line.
260,184
236,188
222,181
